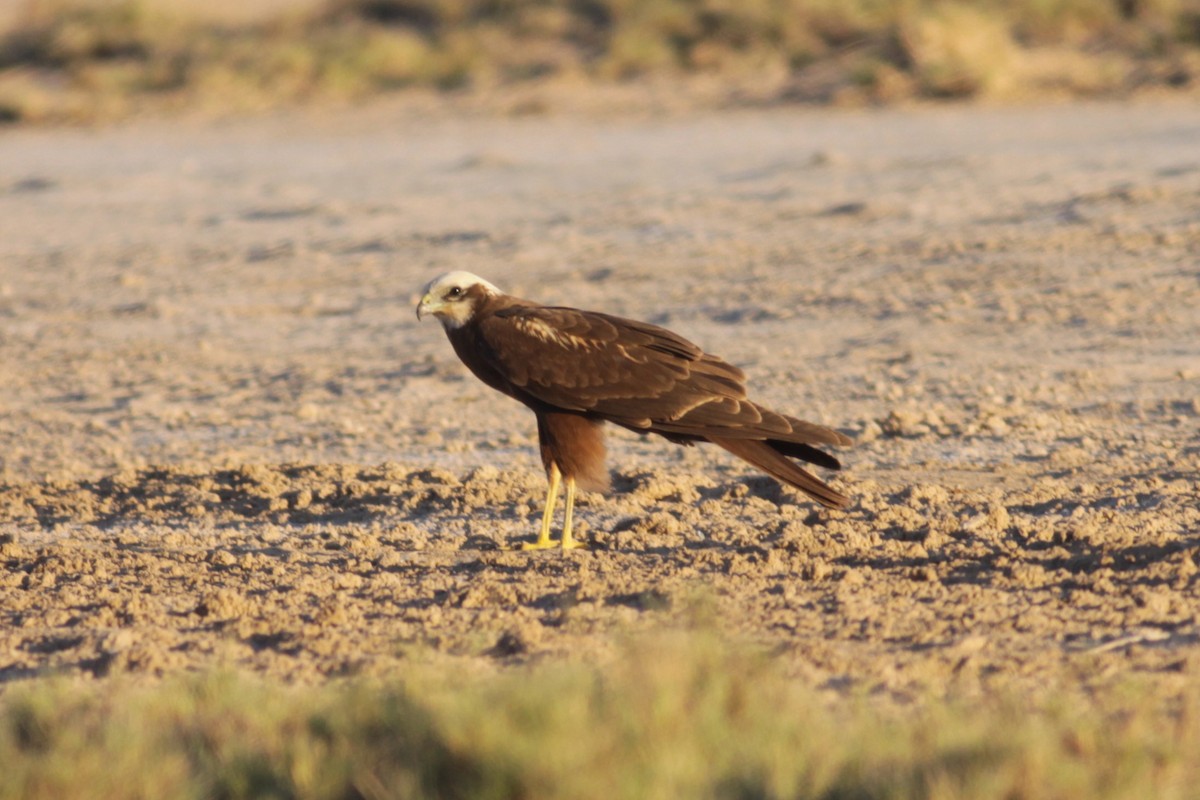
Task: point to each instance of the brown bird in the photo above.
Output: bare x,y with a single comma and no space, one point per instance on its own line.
579,369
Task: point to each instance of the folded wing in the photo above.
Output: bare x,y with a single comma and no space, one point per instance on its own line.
649,379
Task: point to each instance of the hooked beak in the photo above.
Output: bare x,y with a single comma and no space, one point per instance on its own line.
428,305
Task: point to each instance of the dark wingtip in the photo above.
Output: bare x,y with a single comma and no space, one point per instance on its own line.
805,452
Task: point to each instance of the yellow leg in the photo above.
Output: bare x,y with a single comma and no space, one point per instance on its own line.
568,543
543,540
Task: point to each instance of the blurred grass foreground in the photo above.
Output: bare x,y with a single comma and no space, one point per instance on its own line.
672,719
88,60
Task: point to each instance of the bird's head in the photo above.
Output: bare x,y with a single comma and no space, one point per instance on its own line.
454,297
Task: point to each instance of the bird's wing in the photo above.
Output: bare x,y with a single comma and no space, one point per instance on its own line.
629,372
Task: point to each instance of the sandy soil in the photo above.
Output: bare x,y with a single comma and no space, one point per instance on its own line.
225,441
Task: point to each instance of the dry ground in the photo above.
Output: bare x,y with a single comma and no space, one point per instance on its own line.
225,441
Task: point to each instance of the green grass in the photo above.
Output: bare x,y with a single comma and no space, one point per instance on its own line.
83,60
681,717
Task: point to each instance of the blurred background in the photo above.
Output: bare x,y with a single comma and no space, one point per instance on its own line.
94,60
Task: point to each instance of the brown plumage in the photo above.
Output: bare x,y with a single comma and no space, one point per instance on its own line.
578,369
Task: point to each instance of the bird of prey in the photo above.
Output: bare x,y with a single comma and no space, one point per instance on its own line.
579,369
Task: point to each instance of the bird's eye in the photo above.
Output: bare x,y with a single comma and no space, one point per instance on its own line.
455,291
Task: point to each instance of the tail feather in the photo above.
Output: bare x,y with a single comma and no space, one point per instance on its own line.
813,433
768,457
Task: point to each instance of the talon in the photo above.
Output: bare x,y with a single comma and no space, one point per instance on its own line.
538,545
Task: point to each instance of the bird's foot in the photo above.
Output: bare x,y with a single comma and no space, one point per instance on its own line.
549,544
540,544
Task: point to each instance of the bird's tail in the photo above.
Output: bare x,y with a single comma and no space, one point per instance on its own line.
771,458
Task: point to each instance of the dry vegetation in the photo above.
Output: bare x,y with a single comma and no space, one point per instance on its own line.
83,60
678,718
